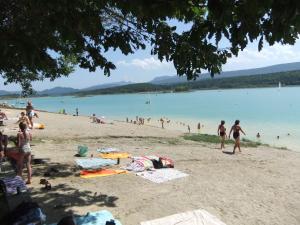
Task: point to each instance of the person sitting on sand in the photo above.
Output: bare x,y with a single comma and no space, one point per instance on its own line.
68,220
2,117
24,138
236,129
94,118
3,144
222,133
24,119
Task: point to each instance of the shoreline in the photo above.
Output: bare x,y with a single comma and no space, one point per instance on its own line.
235,188
207,129
210,124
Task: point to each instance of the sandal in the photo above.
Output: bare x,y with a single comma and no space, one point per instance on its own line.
48,186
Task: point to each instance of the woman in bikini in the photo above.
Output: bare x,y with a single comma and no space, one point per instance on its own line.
236,129
24,138
222,133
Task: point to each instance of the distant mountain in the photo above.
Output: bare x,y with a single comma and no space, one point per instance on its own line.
237,73
2,92
58,91
109,85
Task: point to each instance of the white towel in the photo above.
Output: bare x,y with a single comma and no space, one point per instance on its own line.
162,175
196,217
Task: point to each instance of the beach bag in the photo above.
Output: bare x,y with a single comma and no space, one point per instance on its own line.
82,151
12,185
166,162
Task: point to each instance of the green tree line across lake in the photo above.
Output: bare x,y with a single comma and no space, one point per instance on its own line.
254,81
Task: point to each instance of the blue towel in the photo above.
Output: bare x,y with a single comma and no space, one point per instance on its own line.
94,163
96,218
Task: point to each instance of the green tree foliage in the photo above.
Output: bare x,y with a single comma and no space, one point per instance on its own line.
45,39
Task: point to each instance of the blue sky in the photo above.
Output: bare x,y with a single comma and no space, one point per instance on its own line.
143,67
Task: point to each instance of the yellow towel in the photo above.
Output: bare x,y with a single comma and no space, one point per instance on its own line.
114,155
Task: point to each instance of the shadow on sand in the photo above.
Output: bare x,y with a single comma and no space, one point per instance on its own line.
58,201
228,153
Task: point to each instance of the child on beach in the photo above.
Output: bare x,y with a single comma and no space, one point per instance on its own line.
222,133
24,138
236,135
24,119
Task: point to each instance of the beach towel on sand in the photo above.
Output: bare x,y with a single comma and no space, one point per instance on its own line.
94,163
38,126
139,164
114,155
196,217
162,175
95,218
100,173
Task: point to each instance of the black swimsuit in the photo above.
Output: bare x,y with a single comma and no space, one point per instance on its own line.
236,133
222,133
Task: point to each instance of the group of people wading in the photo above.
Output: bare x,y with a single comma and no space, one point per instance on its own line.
235,130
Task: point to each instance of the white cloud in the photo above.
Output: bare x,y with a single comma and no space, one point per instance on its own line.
147,63
252,58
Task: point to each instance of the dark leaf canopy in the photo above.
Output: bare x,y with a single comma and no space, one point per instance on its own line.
46,38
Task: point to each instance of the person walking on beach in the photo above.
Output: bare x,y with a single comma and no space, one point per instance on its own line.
30,113
222,133
76,111
236,129
24,138
189,129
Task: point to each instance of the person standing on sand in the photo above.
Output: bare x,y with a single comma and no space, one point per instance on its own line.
3,145
162,123
236,135
76,111
30,113
222,133
24,138
199,128
189,129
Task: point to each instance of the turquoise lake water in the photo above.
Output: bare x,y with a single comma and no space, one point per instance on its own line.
270,111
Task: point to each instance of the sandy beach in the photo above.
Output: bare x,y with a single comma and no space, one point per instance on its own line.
258,186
